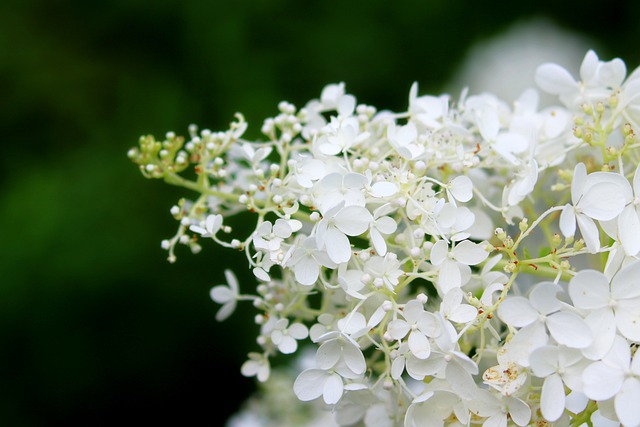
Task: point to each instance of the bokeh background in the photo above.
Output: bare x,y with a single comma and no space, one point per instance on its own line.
96,327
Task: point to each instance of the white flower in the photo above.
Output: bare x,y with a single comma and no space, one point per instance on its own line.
611,305
384,270
597,196
432,408
427,110
226,295
543,308
616,376
255,156
338,223
284,335
597,80
211,226
451,262
307,260
419,324
497,409
626,227
404,140
459,189
381,224
453,310
257,366
336,188
559,366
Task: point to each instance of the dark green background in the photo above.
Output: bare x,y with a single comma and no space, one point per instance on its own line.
97,328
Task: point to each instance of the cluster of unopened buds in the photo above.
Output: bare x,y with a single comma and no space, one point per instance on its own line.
464,262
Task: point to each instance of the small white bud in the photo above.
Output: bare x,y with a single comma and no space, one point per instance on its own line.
422,298
366,278
184,239
165,244
378,282
387,306
243,199
364,255
259,319
415,252
314,216
175,210
279,307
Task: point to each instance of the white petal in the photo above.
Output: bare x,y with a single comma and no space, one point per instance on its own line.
517,312
439,252
298,331
488,123
578,182
328,354
460,381
544,361
553,398
287,345
398,329
419,345
306,271
462,188
378,242
543,297
567,221
612,73
226,310
496,420
333,389
386,225
589,289
397,367
628,318
589,67
626,402
449,276
590,233
601,382
555,79
337,246
519,411
603,326
354,359
353,220
309,384
569,329
221,294
625,283
603,201
383,189
470,253
464,313
629,230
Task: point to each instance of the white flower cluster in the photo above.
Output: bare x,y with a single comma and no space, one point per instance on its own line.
464,262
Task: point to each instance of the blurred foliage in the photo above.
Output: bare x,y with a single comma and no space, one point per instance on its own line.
96,326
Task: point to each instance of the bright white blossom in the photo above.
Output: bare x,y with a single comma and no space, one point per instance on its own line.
468,260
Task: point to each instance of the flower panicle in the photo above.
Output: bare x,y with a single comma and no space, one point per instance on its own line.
392,251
